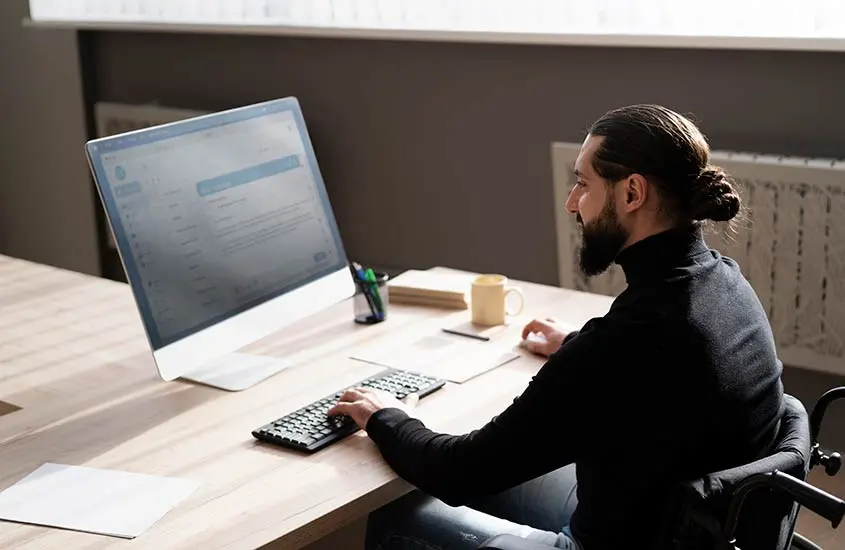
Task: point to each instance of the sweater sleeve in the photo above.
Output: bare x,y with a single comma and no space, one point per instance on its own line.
550,425
570,336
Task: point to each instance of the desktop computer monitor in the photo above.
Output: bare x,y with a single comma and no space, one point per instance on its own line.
225,232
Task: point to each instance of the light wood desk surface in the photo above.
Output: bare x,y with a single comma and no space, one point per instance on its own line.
74,358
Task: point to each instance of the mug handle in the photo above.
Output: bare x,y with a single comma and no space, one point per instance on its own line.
518,292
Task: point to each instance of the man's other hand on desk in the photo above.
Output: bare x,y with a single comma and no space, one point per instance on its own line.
550,335
361,403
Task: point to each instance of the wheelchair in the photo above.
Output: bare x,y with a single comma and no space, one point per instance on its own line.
751,507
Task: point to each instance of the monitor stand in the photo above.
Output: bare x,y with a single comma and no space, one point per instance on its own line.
237,371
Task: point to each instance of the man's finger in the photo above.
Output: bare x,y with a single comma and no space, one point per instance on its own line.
351,395
536,326
529,328
545,328
341,408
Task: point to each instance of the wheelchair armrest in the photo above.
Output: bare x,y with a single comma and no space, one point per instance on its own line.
814,499
511,542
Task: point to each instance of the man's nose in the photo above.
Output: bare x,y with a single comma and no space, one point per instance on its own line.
572,202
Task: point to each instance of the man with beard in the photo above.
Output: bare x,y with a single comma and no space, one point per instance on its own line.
679,378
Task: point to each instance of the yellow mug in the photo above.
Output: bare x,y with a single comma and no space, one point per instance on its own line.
488,299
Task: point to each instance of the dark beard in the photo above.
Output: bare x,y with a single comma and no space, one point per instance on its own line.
602,239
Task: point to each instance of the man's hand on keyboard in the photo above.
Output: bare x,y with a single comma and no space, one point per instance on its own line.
360,404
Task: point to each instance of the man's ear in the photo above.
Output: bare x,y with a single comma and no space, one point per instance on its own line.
635,192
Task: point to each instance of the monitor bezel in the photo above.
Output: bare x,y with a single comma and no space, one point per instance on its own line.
203,344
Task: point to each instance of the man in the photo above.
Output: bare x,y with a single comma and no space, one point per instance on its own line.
680,378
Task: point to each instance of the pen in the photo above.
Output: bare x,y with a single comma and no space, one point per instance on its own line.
467,334
371,278
362,282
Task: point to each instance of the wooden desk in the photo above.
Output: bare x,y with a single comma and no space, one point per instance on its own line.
74,357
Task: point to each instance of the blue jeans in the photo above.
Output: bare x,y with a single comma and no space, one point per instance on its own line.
538,510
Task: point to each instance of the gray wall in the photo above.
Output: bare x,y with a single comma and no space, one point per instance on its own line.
438,153
46,208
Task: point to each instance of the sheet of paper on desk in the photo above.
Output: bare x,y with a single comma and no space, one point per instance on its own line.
451,357
106,502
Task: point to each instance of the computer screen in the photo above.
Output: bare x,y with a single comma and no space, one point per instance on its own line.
216,215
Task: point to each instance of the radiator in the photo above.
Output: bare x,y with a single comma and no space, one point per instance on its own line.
117,118
791,249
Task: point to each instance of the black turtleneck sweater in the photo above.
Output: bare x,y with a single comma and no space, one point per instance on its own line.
680,378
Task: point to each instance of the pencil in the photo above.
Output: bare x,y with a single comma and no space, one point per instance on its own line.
467,334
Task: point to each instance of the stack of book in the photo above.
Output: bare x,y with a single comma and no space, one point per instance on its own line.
428,288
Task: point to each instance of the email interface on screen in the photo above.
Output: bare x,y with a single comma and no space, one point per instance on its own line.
218,216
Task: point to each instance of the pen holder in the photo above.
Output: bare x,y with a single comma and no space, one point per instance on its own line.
371,299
